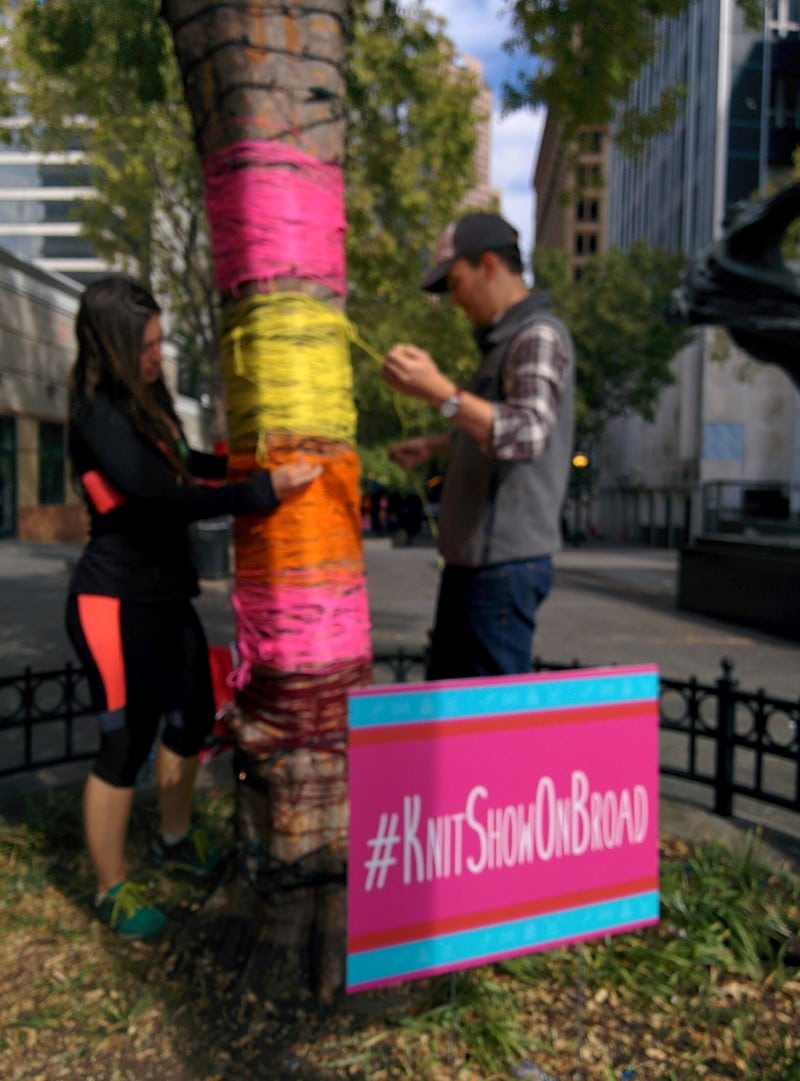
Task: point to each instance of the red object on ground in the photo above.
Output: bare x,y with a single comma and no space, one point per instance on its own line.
222,661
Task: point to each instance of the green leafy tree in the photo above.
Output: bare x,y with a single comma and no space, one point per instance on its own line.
623,342
587,54
409,163
6,91
99,75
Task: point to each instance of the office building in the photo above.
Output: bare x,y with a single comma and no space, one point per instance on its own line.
725,444
571,183
482,196
38,195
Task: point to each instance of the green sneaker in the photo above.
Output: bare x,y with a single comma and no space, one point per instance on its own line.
125,910
191,854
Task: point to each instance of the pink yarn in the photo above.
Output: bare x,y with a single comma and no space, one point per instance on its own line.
274,211
300,629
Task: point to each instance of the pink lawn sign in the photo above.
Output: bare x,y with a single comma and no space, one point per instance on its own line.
491,818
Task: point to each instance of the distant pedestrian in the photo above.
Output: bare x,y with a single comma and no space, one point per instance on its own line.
375,500
129,611
412,510
510,451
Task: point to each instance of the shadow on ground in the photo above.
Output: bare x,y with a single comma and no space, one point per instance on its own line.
194,1005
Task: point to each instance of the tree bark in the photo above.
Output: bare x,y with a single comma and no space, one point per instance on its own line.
267,73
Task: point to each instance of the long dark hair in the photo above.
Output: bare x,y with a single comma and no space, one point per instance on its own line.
109,328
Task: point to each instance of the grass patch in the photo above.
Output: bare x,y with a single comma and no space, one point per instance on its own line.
705,994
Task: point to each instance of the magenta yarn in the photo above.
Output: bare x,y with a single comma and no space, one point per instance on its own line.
301,628
274,211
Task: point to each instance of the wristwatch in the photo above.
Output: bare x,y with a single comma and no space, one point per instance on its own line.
450,406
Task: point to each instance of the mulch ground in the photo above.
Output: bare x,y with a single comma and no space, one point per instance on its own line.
77,1003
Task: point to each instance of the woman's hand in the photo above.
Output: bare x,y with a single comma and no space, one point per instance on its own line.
289,479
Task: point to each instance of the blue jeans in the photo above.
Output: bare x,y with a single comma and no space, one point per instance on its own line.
485,618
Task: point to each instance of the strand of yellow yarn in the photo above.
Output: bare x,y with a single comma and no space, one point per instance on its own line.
398,407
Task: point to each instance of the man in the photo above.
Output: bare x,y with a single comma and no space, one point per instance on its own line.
510,451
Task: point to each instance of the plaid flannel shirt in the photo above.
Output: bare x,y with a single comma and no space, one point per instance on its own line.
533,378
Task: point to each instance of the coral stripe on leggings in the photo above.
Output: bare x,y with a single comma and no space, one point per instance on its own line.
144,662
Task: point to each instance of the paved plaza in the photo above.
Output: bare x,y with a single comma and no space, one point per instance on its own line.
609,605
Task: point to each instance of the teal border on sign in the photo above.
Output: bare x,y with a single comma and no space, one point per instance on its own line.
368,709
447,952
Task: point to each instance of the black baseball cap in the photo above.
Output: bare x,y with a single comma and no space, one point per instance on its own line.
468,237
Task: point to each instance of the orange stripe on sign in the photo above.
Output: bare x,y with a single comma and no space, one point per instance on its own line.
470,921
494,723
100,623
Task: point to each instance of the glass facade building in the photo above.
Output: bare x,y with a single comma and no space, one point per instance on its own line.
738,127
39,193
727,418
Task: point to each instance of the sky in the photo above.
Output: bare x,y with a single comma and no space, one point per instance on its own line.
478,29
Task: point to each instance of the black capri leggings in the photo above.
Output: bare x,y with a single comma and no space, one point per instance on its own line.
143,662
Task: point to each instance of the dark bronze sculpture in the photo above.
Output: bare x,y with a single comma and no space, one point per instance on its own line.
743,283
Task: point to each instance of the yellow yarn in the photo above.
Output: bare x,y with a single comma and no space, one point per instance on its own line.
286,362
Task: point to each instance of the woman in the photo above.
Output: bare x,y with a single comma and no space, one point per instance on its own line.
129,611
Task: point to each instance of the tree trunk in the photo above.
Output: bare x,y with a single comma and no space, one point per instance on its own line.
265,86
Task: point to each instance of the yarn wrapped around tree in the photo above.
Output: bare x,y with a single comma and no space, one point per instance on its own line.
264,82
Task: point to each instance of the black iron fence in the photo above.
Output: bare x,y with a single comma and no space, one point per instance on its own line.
733,741
740,743
46,720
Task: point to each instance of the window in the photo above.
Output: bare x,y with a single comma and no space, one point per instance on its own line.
65,175
67,247
8,470
590,142
723,442
19,176
51,463
590,176
24,247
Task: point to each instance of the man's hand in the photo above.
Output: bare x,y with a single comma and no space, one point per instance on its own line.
410,453
293,477
412,371
413,452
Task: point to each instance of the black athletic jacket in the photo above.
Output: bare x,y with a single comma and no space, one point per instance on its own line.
140,546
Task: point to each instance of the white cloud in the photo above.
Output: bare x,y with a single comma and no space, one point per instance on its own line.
476,26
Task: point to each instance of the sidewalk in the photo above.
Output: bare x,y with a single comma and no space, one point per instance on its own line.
609,605
617,605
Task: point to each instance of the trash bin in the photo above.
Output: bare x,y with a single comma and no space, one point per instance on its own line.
212,540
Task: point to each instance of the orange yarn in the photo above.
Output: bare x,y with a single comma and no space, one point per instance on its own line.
316,533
